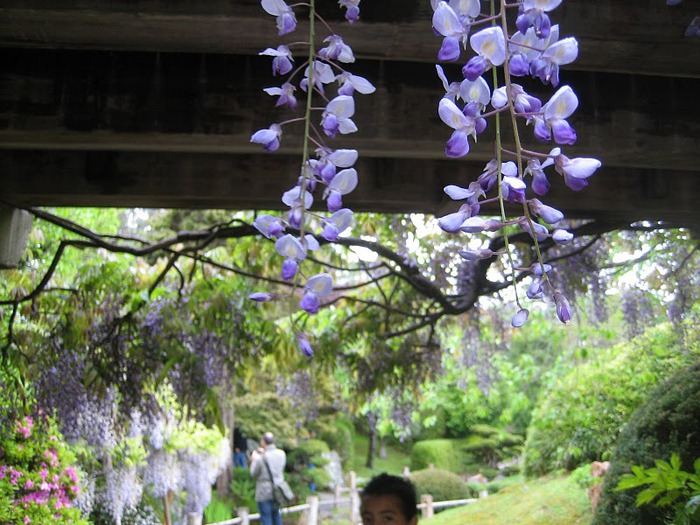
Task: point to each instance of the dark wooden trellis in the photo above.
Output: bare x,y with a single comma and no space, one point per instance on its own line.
152,103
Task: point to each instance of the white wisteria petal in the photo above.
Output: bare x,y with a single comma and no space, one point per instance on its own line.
562,104
344,181
581,167
457,193
451,114
289,246
346,126
342,106
446,22
542,5
476,91
562,52
361,84
292,197
499,98
490,43
311,242
342,219
320,284
509,169
274,7
342,158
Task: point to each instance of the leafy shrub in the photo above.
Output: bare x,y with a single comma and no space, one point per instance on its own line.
667,423
441,453
580,419
440,484
217,510
307,462
489,444
243,489
497,485
338,435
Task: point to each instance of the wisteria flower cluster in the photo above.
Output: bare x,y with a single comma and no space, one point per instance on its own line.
532,48
38,483
328,172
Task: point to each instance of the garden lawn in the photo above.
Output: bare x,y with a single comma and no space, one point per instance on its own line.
547,501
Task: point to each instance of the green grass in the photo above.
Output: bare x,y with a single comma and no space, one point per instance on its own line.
554,501
393,464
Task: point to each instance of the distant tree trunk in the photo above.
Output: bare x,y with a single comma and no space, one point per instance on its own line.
166,506
382,448
372,450
228,415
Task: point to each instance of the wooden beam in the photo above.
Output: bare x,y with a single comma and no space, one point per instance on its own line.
614,35
249,181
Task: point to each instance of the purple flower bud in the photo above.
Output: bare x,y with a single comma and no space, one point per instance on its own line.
458,145
563,132
541,130
334,201
452,222
269,138
289,269
330,125
262,297
520,318
519,65
475,255
549,215
513,189
539,269
535,290
479,224
540,184
309,302
563,308
352,14
304,345
449,51
475,68
562,236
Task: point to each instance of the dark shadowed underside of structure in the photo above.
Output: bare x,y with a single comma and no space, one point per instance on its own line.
152,103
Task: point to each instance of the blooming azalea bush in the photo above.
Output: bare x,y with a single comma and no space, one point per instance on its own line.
38,483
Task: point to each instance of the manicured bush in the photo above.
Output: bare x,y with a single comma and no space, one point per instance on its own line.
667,423
579,420
441,453
440,484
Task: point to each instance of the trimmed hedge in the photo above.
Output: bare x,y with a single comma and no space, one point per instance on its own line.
669,422
440,484
443,454
581,417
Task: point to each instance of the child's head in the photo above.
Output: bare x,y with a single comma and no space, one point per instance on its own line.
389,500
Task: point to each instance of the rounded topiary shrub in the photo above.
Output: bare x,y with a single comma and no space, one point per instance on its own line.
580,418
667,423
440,453
440,484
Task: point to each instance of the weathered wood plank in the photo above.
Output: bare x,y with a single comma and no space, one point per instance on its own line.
245,181
615,35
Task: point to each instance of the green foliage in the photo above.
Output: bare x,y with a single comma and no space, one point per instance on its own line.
142,514
337,432
243,489
307,462
217,510
266,411
441,453
666,485
442,485
497,485
578,421
489,445
666,423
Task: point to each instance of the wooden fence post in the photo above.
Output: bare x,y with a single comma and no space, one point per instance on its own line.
194,518
337,494
242,513
354,500
312,516
428,511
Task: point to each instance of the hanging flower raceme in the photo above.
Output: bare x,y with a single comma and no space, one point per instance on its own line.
332,170
532,48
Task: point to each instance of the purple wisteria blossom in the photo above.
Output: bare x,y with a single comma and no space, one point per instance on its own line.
285,94
336,117
336,224
317,287
269,138
458,145
555,112
299,200
269,226
282,61
343,183
289,246
304,344
286,21
352,7
490,46
533,14
336,50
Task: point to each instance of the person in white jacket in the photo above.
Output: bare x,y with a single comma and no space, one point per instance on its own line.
267,464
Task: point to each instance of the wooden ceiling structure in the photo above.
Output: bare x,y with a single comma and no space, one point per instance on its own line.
151,103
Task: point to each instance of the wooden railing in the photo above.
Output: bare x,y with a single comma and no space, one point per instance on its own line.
314,504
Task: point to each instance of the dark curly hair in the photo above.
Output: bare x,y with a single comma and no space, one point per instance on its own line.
387,485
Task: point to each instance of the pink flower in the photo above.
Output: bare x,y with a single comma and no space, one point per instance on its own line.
29,484
27,520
